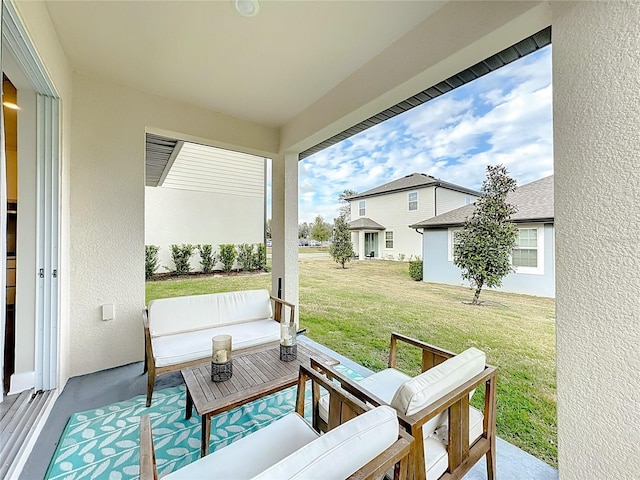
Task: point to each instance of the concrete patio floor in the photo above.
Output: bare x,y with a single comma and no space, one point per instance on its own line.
117,384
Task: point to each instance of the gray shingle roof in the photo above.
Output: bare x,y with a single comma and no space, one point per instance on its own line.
364,223
411,182
534,201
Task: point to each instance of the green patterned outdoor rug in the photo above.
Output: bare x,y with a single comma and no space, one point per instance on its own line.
104,443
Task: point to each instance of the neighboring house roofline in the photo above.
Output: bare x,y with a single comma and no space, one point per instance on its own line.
411,182
534,201
459,224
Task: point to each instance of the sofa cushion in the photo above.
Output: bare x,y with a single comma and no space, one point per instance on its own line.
195,312
438,381
250,455
341,451
194,345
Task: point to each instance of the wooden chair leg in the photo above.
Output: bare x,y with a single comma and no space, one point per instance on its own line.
491,460
151,380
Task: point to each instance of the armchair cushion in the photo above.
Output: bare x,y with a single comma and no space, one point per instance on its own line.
252,454
438,381
342,451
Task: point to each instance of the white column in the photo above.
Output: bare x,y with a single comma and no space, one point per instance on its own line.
284,227
596,85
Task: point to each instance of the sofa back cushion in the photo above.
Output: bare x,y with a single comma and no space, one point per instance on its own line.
341,451
437,382
195,312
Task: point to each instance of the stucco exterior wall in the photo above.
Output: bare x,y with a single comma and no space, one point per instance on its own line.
438,268
596,117
107,208
183,216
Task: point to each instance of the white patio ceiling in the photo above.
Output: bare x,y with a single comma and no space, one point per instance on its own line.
266,69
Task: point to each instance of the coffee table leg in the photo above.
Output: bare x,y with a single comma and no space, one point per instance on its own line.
206,433
189,407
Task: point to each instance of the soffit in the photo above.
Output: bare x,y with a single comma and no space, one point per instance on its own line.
182,165
265,69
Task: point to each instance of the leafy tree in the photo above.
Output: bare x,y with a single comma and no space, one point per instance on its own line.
207,258
227,256
151,260
304,230
345,206
483,247
320,230
181,255
341,249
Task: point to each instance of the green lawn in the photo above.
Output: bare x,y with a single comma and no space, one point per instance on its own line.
353,311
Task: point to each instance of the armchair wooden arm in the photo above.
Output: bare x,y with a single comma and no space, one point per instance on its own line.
431,355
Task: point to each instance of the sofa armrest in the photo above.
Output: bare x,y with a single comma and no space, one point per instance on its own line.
431,355
279,304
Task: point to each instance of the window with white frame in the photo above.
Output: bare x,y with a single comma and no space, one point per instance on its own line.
361,208
388,239
527,254
453,233
413,201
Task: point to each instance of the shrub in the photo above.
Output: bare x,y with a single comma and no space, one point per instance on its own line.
207,258
246,260
261,257
227,256
151,260
415,269
401,257
181,254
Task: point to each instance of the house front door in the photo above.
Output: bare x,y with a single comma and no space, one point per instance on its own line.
371,244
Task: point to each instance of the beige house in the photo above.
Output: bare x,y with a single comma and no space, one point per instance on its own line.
380,217
93,78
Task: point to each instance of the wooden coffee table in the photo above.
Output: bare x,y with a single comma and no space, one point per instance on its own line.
257,372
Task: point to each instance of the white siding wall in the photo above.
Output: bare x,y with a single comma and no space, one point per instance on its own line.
392,212
182,216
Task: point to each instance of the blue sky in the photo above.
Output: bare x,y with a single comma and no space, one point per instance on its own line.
504,117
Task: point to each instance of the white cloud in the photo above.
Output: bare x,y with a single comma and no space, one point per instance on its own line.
504,117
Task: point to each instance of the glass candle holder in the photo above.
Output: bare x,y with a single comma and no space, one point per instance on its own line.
288,345
221,363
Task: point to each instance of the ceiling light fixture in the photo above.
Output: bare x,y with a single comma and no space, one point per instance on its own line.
247,8
11,105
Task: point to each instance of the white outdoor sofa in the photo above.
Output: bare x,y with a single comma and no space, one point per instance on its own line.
178,330
361,443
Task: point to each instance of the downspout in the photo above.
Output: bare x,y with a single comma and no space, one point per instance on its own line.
435,200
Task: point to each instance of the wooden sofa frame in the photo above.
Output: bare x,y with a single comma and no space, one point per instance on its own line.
344,407
461,456
149,360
